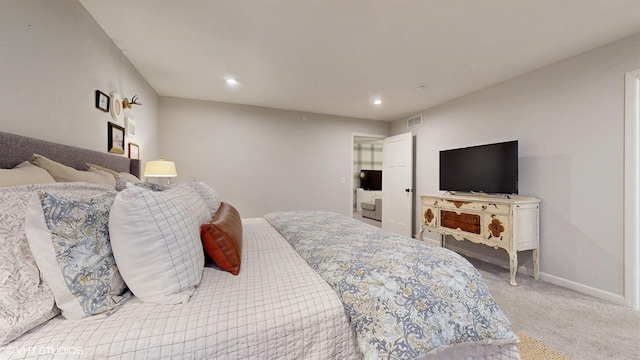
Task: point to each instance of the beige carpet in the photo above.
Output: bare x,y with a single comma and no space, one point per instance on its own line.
532,349
579,326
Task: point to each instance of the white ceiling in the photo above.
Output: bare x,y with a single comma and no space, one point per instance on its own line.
336,57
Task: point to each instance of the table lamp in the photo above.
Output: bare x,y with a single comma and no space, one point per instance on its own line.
160,169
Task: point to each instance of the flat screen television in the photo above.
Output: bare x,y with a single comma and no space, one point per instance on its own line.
491,168
371,179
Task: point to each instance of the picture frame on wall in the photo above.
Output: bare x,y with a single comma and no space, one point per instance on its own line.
130,127
134,151
102,101
115,138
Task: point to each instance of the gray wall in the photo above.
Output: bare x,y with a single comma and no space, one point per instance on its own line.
262,160
569,120
567,116
53,56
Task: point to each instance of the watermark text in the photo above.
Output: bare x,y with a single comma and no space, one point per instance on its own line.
45,350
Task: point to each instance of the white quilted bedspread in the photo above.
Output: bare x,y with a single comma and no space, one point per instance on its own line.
276,308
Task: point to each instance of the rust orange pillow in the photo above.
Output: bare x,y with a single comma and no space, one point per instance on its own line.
222,238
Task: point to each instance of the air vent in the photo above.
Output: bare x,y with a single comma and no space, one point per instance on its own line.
414,121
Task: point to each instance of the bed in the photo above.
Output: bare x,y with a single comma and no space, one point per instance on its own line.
312,285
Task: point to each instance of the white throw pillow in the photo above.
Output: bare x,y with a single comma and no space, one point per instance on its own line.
117,175
64,173
24,174
210,197
155,237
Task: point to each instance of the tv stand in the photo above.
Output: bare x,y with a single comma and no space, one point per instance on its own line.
508,223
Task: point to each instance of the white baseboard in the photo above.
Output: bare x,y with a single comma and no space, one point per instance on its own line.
584,289
552,279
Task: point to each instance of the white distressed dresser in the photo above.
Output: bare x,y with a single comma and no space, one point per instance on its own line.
497,221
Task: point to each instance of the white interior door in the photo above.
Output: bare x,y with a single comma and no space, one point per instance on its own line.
397,184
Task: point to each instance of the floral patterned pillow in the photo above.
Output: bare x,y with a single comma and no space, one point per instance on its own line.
69,238
122,183
25,298
152,186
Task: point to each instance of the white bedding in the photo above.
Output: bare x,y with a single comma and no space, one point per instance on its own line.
277,307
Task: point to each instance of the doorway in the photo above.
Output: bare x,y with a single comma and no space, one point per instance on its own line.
367,155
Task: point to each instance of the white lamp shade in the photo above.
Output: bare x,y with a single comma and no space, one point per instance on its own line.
160,168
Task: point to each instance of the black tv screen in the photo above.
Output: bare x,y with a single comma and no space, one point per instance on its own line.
371,179
491,168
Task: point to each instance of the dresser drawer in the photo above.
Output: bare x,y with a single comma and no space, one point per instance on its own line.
430,201
498,208
460,205
464,221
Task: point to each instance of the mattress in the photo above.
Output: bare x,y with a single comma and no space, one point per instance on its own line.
276,308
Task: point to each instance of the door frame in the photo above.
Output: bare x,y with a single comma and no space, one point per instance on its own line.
632,190
353,137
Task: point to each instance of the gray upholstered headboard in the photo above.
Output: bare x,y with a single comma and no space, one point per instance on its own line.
15,149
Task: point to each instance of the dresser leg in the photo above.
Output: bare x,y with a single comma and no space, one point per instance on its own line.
513,267
536,264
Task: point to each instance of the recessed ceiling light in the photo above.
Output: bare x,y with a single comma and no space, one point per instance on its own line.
377,102
231,81
420,87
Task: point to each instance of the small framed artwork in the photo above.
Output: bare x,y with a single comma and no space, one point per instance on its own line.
102,101
134,151
130,127
115,138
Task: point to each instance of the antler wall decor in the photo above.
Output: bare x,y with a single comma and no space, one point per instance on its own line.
134,101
